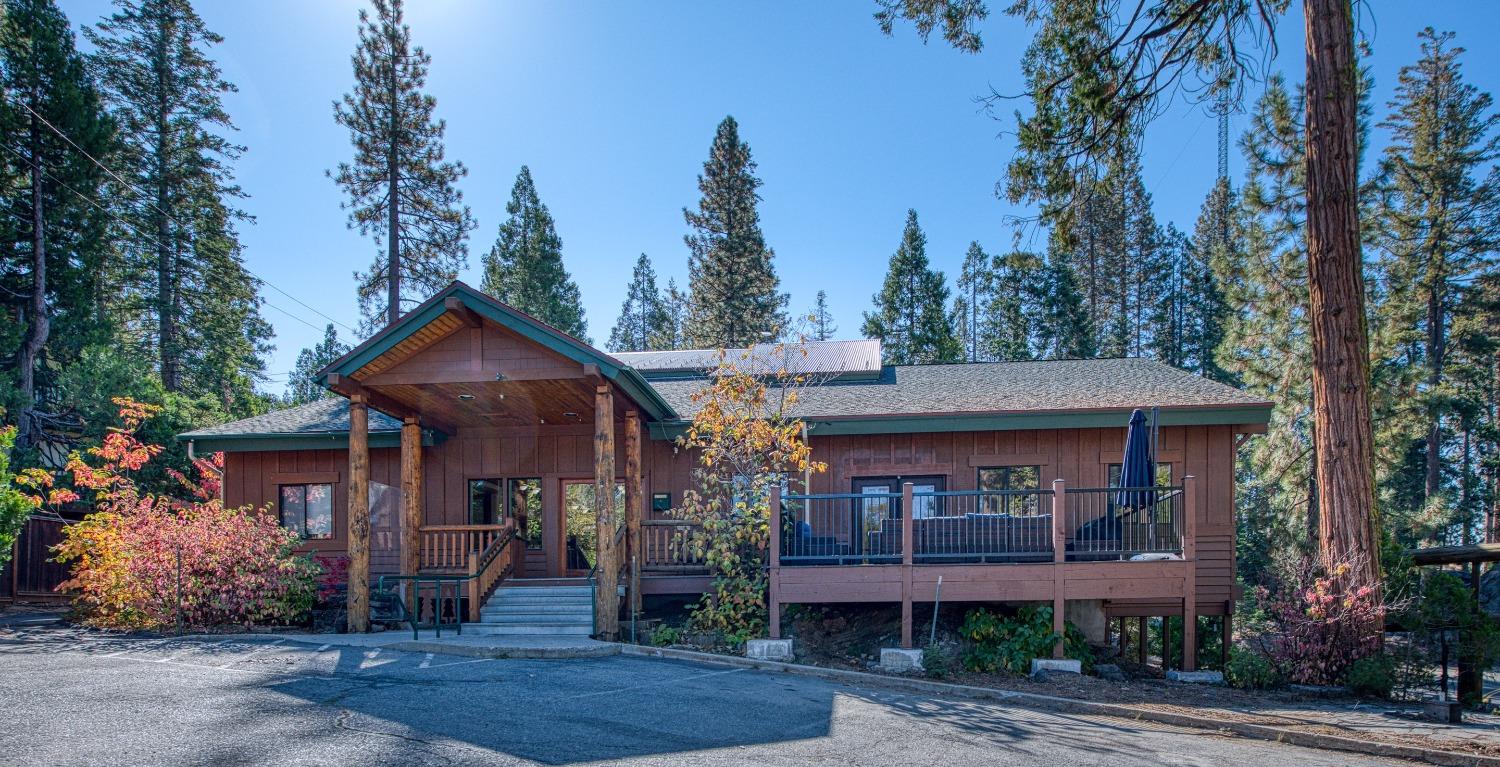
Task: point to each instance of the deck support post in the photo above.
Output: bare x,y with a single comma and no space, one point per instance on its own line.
774,587
1059,556
606,557
1190,578
906,557
635,501
1143,637
357,603
1228,628
411,501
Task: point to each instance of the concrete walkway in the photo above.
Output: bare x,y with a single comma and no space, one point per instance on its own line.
468,645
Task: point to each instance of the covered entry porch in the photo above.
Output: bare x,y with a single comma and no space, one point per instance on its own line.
501,388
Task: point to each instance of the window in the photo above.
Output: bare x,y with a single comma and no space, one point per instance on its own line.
1006,478
486,504
307,510
1163,474
526,508
924,505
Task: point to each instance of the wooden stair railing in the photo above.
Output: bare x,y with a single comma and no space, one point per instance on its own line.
491,565
450,547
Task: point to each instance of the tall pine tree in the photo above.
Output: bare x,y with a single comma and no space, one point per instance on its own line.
401,189
644,324
1016,309
166,94
971,303
1064,328
735,294
823,328
302,384
59,242
525,266
910,316
677,305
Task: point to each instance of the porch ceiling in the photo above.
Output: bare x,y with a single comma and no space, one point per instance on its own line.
501,404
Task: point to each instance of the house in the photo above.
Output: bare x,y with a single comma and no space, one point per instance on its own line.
474,438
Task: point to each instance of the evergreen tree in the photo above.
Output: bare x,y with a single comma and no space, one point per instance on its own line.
823,328
976,286
1017,305
1439,224
909,316
401,189
1216,247
56,243
185,271
736,298
677,305
644,324
1063,327
302,384
525,266
1169,313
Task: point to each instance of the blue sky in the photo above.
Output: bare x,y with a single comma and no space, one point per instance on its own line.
613,105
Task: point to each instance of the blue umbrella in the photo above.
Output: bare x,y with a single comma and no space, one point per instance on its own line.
1137,469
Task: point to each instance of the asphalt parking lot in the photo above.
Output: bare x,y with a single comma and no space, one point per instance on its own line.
70,697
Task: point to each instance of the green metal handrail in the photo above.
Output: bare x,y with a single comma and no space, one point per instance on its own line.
437,580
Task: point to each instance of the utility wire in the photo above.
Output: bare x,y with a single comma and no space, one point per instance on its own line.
146,195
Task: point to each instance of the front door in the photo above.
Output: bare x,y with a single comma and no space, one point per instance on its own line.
579,534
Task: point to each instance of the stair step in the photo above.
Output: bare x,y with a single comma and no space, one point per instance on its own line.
527,629
578,604
536,609
547,591
539,620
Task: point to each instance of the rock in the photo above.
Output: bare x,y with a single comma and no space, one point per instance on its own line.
1109,671
1040,675
1196,677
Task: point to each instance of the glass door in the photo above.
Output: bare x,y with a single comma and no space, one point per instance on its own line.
580,524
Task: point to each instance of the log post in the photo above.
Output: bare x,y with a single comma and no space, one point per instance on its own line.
1190,577
1059,556
606,556
774,597
411,500
358,595
906,557
635,502
1143,638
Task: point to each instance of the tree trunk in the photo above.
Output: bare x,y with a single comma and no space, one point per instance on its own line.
358,594
1436,351
606,557
393,201
166,257
39,324
1340,346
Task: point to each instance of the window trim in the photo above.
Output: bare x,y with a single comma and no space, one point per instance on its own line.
302,531
1005,501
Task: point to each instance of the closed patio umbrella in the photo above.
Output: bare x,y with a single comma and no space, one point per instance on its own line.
1138,468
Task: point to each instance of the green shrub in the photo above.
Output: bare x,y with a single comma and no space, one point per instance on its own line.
1000,643
1372,676
1249,670
934,662
664,635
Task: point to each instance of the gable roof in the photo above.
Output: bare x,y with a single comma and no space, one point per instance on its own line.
323,424
839,359
626,378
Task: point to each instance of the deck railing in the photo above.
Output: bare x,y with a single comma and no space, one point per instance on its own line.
848,528
1119,523
666,545
982,526
448,547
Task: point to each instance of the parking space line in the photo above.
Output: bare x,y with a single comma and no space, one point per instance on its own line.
322,647
426,661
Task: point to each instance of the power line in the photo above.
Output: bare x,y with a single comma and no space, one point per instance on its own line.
106,211
146,195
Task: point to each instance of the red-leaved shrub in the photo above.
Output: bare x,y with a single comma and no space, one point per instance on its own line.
1320,623
140,561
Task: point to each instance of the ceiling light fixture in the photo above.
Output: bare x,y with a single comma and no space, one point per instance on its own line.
466,397
570,414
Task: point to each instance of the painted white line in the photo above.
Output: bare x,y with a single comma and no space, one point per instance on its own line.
426,661
456,663
252,653
322,647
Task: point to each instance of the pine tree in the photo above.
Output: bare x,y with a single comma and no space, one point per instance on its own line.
525,266
1215,245
302,384
976,286
736,298
401,189
1169,313
644,324
677,305
823,328
1064,328
166,96
59,242
910,316
1439,224
1016,308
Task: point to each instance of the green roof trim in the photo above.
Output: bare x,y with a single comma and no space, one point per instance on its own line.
252,443
1101,419
628,379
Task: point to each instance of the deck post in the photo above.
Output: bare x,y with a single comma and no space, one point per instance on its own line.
411,500
774,598
357,602
1190,577
1059,556
1143,637
606,557
906,551
635,500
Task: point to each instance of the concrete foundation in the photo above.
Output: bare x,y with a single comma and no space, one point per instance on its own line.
1196,677
1056,665
896,660
1088,616
769,649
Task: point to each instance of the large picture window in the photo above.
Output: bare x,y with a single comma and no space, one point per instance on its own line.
1007,478
307,510
1163,474
486,501
526,508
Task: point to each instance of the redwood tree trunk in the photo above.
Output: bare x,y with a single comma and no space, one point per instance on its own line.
39,324
1340,345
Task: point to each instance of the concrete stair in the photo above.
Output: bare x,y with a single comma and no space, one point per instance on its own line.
537,610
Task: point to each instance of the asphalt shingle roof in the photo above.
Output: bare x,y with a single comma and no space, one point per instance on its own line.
921,390
860,357
329,415
999,387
